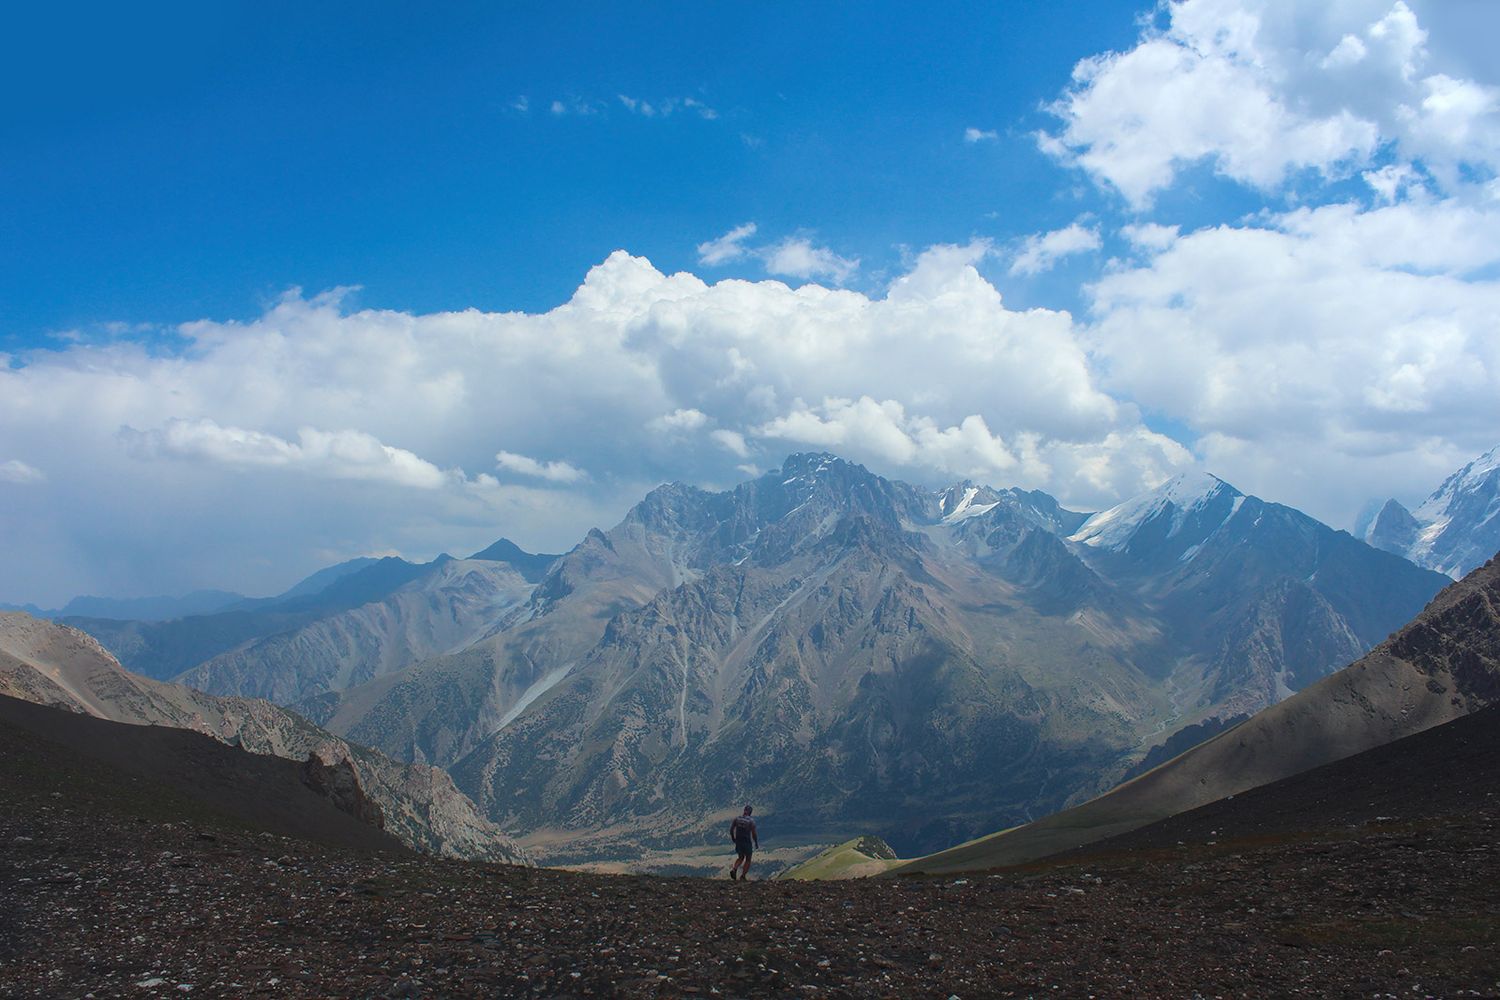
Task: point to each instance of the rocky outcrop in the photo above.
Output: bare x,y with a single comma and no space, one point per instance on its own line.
334,777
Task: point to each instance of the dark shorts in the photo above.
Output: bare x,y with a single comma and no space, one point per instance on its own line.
744,848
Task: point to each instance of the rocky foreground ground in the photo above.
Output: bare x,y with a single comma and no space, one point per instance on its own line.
99,902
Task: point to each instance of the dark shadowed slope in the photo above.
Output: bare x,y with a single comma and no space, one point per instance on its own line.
50,746
107,902
1443,665
1447,770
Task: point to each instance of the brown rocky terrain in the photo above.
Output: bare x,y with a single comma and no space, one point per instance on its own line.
112,887
319,800
52,664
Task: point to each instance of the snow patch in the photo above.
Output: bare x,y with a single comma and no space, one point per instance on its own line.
967,508
547,682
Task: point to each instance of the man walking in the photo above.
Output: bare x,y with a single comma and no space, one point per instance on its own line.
746,840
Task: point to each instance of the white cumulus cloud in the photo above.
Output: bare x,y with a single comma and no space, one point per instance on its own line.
681,419
263,446
339,454
797,257
731,441
1300,348
1040,252
791,257
1264,89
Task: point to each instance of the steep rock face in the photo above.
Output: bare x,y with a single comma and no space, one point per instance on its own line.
438,710
1443,665
1276,642
1394,529
1455,529
52,664
852,665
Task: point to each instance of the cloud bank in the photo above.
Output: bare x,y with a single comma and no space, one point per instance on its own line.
315,430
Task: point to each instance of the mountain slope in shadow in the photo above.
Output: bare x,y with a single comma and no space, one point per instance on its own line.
266,793
1443,665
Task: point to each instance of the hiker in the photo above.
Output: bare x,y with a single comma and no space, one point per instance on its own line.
746,840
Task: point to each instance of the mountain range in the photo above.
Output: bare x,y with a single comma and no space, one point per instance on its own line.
159,608
851,653
938,662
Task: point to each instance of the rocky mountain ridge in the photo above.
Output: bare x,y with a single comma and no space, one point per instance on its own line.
831,643
52,664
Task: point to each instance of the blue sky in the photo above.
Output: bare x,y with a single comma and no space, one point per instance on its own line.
282,286
190,162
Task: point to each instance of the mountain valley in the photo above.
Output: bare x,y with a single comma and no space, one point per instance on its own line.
847,651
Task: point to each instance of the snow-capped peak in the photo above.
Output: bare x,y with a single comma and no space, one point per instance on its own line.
1179,496
1460,521
958,503
1465,480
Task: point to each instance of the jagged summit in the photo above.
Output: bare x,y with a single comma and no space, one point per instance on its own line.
805,463
1453,531
531,565
1175,502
